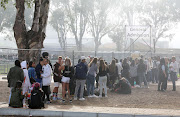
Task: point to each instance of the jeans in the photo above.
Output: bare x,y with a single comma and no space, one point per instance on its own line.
102,84
149,76
90,84
79,83
10,94
173,76
155,75
142,78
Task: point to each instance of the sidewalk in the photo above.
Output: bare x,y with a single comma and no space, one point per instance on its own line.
85,111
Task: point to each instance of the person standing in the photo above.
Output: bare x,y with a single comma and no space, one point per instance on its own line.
46,79
15,74
31,70
133,73
81,72
39,71
68,72
173,72
91,77
125,71
103,71
26,84
113,73
119,66
162,75
57,77
141,70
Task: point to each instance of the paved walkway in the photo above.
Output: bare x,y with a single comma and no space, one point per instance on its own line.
126,111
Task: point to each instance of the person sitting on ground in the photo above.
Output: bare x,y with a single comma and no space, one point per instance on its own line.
17,96
123,86
36,97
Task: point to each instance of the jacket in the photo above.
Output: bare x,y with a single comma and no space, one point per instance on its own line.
133,71
15,74
38,70
46,75
57,73
68,71
16,98
81,71
32,73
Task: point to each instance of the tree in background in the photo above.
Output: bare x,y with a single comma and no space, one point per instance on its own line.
162,15
99,24
32,39
77,12
60,23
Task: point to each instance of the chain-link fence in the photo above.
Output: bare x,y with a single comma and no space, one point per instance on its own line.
8,56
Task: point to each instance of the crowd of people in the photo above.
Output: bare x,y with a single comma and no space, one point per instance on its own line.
92,77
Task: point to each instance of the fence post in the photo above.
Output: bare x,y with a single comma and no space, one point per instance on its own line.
73,57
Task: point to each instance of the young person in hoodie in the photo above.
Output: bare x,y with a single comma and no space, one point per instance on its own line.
26,84
46,79
81,72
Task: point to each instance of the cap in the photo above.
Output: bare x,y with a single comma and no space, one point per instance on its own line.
83,57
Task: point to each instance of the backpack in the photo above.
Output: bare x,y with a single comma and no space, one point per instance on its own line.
36,100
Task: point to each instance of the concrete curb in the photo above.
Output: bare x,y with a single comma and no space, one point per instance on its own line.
46,113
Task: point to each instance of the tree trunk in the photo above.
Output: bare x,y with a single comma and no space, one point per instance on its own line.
33,39
20,31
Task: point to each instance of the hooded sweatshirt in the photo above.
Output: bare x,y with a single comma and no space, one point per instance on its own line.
26,84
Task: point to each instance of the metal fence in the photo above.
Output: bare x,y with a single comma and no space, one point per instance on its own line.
8,56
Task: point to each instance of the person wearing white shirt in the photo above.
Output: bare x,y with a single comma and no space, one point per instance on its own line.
119,66
46,79
173,72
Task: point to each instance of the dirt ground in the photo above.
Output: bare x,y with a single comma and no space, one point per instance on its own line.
140,98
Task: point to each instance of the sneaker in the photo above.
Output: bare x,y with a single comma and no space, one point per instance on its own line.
106,96
58,98
94,96
89,96
100,96
75,98
70,101
54,98
48,102
82,99
63,101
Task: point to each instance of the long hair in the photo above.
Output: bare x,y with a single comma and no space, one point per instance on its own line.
133,63
112,66
103,65
93,61
67,61
162,61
